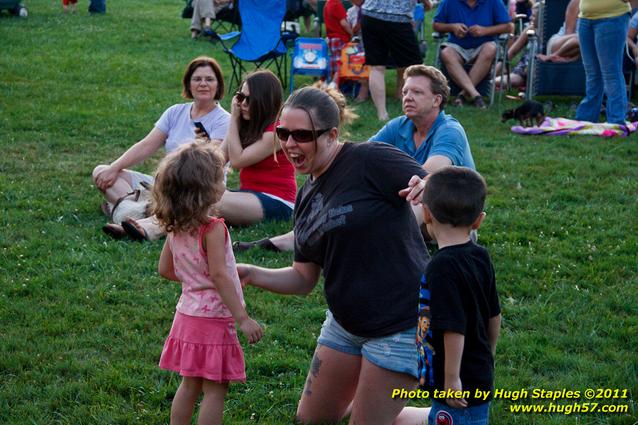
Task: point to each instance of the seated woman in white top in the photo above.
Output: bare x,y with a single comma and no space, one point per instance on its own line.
204,84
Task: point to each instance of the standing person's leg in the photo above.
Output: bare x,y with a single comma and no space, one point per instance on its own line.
404,49
610,41
589,107
374,34
377,91
399,90
184,400
211,409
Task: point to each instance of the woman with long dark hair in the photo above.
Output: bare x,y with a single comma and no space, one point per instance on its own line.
267,186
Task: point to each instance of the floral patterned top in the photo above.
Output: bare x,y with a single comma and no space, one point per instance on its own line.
199,295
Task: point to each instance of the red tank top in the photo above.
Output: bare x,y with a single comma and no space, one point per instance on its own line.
273,175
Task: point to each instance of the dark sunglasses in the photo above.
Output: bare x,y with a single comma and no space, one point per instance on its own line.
300,136
241,97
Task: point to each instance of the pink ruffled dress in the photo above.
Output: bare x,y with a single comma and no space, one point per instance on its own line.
203,340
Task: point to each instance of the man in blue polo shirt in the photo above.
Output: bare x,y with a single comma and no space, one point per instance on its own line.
426,133
473,25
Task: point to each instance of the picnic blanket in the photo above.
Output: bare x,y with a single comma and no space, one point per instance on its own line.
563,127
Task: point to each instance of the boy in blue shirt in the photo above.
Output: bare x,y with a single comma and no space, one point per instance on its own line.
464,310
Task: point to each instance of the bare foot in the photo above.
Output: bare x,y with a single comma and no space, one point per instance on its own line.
555,58
562,59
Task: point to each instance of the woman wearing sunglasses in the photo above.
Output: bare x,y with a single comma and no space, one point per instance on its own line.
267,185
352,225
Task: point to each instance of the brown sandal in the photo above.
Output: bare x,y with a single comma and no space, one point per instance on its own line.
134,230
114,230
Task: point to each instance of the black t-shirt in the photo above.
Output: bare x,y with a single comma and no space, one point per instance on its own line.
463,299
353,224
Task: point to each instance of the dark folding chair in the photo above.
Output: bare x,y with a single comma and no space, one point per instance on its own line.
549,78
629,70
261,40
227,19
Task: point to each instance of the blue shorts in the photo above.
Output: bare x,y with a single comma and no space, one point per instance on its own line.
273,209
396,352
443,414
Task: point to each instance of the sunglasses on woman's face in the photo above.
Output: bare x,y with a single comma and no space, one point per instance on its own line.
241,97
300,136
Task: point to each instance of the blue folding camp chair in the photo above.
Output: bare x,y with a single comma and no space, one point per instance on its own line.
419,27
260,39
310,57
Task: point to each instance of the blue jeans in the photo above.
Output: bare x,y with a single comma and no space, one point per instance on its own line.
442,414
602,43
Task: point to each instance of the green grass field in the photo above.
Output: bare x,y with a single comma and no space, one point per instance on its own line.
83,318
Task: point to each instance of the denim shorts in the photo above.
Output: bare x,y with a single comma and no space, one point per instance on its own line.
273,209
442,414
396,352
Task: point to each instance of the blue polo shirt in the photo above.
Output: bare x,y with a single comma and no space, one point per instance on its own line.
485,13
446,137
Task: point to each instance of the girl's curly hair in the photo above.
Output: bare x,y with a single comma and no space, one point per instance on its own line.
188,182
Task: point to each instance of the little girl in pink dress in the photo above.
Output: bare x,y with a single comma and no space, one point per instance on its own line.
202,345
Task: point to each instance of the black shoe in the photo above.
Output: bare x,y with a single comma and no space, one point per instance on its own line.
261,243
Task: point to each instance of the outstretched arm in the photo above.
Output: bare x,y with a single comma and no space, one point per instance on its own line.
215,250
300,279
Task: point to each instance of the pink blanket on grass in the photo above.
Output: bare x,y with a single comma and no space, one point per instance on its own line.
563,127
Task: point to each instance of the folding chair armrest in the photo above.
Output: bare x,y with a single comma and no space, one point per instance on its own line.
229,35
504,37
438,35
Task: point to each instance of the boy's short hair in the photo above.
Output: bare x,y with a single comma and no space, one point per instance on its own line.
455,195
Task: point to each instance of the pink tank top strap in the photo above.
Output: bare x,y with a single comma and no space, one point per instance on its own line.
205,228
